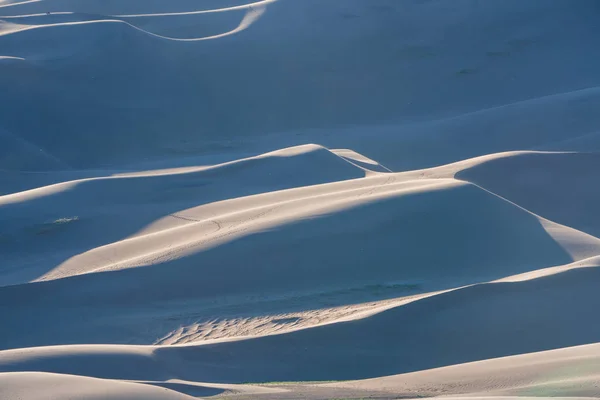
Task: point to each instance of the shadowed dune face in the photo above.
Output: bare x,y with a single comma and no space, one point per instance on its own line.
451,328
169,231
442,330
82,215
436,239
560,122
561,187
359,63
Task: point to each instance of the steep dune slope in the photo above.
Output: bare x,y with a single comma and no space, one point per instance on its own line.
68,218
171,214
564,187
362,234
169,231
445,329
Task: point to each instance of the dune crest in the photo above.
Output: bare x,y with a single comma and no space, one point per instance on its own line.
285,199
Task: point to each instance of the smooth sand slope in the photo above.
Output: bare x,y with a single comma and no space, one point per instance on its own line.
568,179
359,63
35,385
243,198
371,237
458,326
573,371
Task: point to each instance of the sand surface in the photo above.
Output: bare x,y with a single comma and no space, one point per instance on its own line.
299,199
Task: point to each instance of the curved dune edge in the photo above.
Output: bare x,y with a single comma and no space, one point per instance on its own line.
189,362
428,226
38,386
251,16
569,372
187,234
539,374
166,14
187,231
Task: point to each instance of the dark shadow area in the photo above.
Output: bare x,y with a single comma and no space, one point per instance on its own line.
39,233
195,98
434,240
190,390
476,323
564,188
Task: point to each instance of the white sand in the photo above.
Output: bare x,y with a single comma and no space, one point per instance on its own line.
572,372
198,198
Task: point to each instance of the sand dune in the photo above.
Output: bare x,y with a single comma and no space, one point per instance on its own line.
569,180
18,154
518,317
236,198
446,329
362,235
361,161
60,20
549,122
551,373
54,213
155,7
406,61
89,210
56,387
585,143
